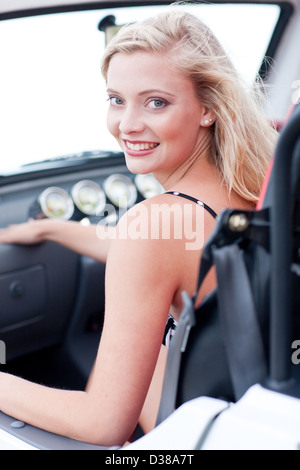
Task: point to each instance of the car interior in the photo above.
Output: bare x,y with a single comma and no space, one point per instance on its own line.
52,299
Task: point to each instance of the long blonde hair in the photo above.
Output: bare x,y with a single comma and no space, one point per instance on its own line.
242,140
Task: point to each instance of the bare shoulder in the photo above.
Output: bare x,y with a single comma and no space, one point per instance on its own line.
164,218
157,249
147,227
141,265
151,238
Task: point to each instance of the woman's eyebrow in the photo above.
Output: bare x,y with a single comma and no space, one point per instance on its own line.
145,92
110,90
155,90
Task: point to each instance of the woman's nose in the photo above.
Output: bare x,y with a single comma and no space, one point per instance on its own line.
131,122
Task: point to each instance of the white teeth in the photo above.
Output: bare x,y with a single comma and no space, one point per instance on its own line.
138,147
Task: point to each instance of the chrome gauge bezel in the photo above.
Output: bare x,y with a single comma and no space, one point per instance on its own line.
142,183
54,190
100,205
130,187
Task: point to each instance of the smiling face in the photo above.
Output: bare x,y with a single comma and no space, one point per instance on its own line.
153,113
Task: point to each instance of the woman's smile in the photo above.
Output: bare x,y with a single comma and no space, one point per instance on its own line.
140,147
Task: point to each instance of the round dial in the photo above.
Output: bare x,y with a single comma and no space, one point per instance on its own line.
56,203
88,197
120,190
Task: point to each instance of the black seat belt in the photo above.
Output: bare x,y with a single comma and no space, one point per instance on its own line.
238,319
239,325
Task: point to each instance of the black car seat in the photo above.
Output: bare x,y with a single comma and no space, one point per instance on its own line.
283,196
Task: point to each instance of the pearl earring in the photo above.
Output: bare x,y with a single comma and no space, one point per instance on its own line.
208,121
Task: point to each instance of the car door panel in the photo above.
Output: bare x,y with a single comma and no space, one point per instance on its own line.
37,287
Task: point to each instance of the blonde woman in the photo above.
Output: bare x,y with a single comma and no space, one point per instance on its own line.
178,110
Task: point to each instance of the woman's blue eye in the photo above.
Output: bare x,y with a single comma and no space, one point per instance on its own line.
114,100
156,103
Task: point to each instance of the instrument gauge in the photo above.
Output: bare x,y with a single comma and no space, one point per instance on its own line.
56,203
88,197
120,190
147,185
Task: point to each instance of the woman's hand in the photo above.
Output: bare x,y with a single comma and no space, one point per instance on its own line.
28,233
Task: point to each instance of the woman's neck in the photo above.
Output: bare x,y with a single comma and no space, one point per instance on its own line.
197,165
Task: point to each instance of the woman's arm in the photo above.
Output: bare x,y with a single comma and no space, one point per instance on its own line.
91,240
148,416
141,280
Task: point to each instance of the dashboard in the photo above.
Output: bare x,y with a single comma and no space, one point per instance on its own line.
89,198
85,195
